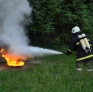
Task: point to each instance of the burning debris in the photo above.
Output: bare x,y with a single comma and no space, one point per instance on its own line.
11,61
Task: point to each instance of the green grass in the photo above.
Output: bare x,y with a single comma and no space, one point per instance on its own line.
54,74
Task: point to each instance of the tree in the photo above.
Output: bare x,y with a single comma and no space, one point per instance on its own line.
54,19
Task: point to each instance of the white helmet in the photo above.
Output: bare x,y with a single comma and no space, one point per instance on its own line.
75,29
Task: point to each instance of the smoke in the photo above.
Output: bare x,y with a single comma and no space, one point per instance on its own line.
12,32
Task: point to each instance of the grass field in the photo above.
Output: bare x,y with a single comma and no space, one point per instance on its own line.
48,74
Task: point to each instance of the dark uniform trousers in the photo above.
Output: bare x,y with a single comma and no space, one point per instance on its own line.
87,63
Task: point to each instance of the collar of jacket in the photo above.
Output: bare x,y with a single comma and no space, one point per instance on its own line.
76,34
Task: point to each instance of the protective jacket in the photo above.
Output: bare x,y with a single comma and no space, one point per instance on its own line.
80,52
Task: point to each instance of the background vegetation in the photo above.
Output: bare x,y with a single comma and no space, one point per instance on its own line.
52,21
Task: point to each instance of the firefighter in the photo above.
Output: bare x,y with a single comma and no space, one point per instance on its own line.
82,44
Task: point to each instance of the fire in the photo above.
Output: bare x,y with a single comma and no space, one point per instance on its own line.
11,60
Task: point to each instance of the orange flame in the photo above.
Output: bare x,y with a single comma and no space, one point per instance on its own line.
11,61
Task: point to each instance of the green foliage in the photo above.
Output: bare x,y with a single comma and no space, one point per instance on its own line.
54,19
43,14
